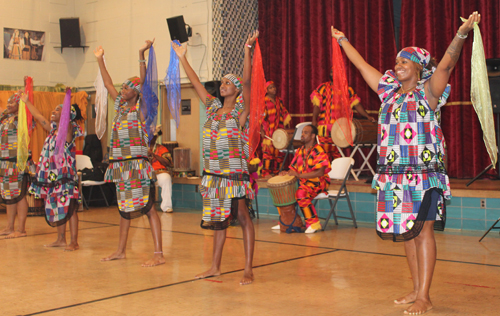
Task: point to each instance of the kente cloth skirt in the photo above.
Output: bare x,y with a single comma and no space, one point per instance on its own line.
14,184
135,197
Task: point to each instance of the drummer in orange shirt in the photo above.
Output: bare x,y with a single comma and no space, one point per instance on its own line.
161,160
311,166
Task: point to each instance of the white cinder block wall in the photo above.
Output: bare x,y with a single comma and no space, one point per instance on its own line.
120,26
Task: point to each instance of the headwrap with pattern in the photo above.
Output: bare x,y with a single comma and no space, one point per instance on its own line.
267,85
134,83
235,80
15,97
420,56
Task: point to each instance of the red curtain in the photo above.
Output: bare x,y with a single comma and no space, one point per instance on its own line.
433,24
295,41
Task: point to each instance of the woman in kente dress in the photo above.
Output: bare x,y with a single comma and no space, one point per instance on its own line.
13,183
56,179
129,168
226,182
411,179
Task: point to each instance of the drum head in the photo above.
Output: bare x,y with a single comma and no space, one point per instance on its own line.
337,133
280,139
280,180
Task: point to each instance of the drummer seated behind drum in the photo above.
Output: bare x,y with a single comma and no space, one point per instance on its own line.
161,160
311,166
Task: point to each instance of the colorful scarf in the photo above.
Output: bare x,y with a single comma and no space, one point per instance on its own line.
257,103
150,95
101,101
64,120
173,85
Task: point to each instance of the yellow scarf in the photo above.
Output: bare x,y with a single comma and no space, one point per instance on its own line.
23,138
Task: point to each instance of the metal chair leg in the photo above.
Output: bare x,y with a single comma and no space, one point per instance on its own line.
352,213
104,196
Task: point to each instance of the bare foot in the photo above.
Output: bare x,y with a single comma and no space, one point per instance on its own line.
247,278
6,231
408,299
16,234
208,273
157,260
72,246
419,307
115,256
57,243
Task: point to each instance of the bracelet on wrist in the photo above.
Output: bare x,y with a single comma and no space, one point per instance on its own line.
343,38
461,36
142,60
248,45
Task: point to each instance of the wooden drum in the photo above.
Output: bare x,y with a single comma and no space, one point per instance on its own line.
363,132
282,190
182,159
282,138
171,146
36,207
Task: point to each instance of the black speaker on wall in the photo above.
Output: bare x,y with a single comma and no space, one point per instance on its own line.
177,28
493,67
70,32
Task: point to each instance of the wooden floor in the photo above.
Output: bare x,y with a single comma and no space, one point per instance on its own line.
341,271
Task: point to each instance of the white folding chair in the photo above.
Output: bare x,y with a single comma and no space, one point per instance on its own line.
341,168
296,136
82,162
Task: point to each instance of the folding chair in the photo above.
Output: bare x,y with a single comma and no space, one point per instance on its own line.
82,162
296,136
341,168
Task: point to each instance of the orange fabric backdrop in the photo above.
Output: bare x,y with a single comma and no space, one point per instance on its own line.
45,102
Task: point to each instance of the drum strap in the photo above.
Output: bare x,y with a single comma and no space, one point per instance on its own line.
234,176
290,228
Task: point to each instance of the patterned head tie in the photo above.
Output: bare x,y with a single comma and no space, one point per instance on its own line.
72,113
134,83
16,97
419,56
235,80
268,84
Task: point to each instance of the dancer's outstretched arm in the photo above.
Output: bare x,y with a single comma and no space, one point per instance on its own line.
106,78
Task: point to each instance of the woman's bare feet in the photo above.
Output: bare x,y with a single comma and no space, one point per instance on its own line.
115,256
57,243
72,246
211,272
157,260
16,234
420,307
6,231
247,278
408,299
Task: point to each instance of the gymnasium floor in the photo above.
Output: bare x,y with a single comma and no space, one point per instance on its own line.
341,271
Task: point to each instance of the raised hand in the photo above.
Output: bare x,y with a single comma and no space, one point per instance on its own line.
336,33
24,96
99,52
252,37
180,50
469,24
147,45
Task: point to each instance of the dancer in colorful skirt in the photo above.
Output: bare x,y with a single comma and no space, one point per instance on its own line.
56,179
411,179
324,114
275,116
129,168
13,183
311,166
226,182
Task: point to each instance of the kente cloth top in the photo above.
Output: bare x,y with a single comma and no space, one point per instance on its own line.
322,97
410,140
275,116
57,177
308,161
225,152
8,144
128,145
163,152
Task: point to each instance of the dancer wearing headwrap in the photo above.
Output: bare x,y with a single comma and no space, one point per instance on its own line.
275,116
324,114
13,183
129,167
226,182
56,178
411,179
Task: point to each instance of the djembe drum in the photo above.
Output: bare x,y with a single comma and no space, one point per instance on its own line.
282,138
36,206
182,159
362,131
171,146
282,190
